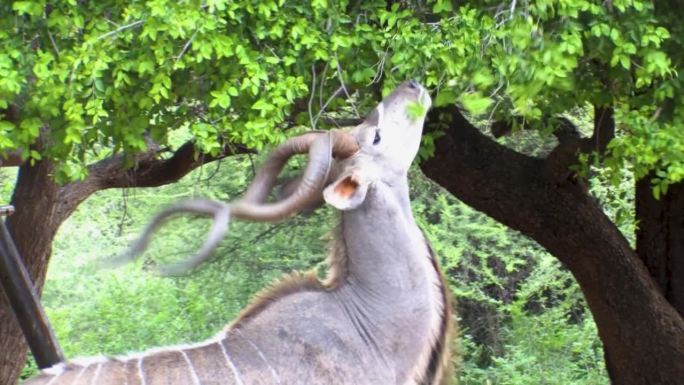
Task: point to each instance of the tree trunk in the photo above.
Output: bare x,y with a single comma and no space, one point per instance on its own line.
42,206
643,335
660,238
33,226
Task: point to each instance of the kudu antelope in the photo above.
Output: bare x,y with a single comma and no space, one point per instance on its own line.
380,317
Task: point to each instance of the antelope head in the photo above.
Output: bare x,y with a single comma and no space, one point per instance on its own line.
377,151
388,142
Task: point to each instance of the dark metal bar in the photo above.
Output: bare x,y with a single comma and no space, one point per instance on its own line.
6,210
22,296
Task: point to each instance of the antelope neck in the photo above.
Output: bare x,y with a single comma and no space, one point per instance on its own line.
387,252
393,286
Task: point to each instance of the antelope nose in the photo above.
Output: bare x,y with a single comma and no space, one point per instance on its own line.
413,84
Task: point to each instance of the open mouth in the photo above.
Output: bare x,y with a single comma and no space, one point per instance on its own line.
423,95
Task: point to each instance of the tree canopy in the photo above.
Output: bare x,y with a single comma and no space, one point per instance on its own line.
102,76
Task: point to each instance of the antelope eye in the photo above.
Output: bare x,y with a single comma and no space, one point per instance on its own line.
376,140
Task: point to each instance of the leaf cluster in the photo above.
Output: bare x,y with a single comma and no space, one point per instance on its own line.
97,78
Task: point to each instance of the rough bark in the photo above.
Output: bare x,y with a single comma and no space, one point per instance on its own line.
32,226
660,238
42,206
643,335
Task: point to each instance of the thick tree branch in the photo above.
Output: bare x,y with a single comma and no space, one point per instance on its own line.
570,143
604,130
569,139
342,122
150,171
547,202
660,237
564,129
11,159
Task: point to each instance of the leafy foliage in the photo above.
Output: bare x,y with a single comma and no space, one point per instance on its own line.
104,76
503,284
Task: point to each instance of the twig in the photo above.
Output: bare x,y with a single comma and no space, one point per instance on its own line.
381,69
123,27
381,66
251,242
344,88
342,122
512,10
324,75
54,43
311,97
491,114
333,96
213,174
656,114
185,47
251,163
112,23
124,212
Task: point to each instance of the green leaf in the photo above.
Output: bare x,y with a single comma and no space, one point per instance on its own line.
475,103
32,8
445,97
319,4
442,6
145,66
30,129
416,110
221,99
482,78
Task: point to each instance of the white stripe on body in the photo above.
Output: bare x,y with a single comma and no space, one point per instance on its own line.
54,379
193,373
261,354
141,373
96,375
230,363
83,369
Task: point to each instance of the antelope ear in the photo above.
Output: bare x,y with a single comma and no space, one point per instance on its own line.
347,192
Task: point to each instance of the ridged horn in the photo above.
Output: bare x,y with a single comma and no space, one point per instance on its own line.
321,147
